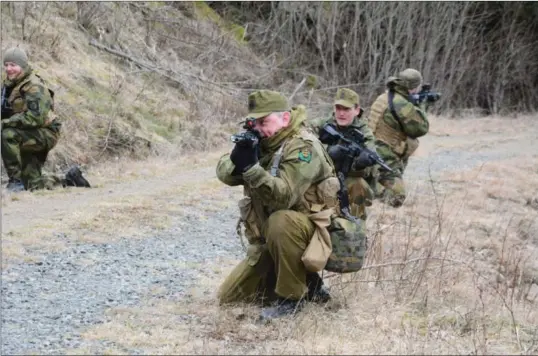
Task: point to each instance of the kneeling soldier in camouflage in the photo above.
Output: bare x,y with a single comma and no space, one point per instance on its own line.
362,178
288,178
397,120
29,128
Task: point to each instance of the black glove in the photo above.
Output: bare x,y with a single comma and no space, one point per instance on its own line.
363,160
325,137
243,157
336,152
415,99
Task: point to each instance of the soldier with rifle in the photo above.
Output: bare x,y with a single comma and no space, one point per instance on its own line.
362,171
397,119
294,222
30,128
289,185
348,152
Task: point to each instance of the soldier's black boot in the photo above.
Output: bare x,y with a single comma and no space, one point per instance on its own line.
317,292
15,185
282,307
74,178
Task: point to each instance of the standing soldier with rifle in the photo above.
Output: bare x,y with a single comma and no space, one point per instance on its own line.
361,177
397,118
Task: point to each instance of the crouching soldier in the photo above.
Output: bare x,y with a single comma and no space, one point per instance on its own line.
290,194
397,120
29,128
361,179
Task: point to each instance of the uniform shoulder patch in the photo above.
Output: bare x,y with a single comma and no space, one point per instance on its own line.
305,154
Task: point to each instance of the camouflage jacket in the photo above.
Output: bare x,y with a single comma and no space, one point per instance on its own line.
398,134
27,103
413,120
358,123
303,166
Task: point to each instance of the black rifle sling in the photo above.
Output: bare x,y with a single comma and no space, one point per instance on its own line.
276,160
4,99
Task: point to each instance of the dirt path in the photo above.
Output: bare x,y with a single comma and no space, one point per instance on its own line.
21,213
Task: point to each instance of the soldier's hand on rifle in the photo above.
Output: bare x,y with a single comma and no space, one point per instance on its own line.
363,160
433,97
243,157
336,152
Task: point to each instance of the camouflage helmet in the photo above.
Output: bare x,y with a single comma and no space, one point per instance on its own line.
411,78
264,102
346,97
17,56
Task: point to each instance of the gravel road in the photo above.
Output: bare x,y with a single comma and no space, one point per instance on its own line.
46,305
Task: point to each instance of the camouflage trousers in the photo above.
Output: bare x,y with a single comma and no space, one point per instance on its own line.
24,153
391,187
361,196
274,269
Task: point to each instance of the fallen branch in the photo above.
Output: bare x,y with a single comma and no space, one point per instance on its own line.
374,280
297,89
402,263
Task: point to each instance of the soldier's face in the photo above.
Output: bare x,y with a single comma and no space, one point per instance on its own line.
12,70
344,115
269,125
416,90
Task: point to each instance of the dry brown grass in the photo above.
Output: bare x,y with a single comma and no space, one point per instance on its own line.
468,126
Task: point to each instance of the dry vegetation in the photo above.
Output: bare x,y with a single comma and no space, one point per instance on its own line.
129,200
478,54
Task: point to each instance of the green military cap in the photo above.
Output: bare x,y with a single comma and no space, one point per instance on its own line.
411,78
17,56
346,97
264,102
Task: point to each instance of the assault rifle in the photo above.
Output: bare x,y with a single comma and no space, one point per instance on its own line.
426,94
249,137
352,147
